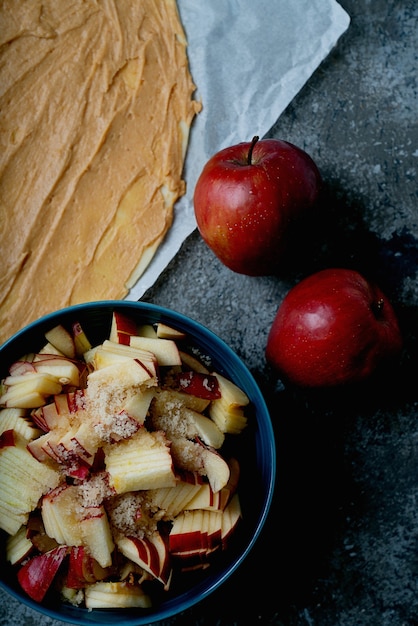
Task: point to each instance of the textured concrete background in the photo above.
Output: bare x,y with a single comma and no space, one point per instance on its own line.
341,545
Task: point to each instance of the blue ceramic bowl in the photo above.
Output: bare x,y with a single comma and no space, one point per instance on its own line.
256,453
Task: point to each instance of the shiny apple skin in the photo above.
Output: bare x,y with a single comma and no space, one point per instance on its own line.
332,328
244,211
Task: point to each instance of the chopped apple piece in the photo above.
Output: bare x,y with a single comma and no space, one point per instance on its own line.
36,575
23,366
30,390
205,428
138,404
217,469
230,519
64,370
206,499
165,350
61,515
116,595
52,415
146,330
81,341
151,553
48,348
173,398
193,363
107,381
230,392
227,411
172,500
18,420
167,332
141,462
229,419
110,350
195,456
198,384
83,569
18,546
195,535
62,339
122,328
169,414
97,536
19,467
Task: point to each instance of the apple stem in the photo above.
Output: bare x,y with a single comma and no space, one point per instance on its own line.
250,151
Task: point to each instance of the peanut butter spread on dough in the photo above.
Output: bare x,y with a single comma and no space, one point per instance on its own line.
96,104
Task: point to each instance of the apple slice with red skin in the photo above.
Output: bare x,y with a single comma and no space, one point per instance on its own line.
18,368
122,328
36,575
7,438
198,384
333,328
151,553
83,569
247,198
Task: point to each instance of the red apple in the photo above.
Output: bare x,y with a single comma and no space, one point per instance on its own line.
247,197
333,328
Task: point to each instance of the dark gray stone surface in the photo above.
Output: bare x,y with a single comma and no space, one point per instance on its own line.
341,545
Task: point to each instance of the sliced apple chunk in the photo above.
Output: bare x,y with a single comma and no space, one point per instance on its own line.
230,519
49,349
198,384
138,404
231,393
62,339
229,419
227,411
36,575
205,428
122,328
97,536
116,595
18,546
172,500
61,515
146,330
64,370
165,350
167,332
81,341
19,467
151,553
29,391
19,421
206,499
193,363
83,569
195,535
141,462
217,469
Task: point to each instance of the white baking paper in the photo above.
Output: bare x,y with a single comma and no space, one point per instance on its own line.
248,58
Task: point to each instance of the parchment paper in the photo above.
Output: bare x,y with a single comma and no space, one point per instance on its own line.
248,58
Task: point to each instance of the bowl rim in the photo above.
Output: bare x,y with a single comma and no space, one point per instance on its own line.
207,586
